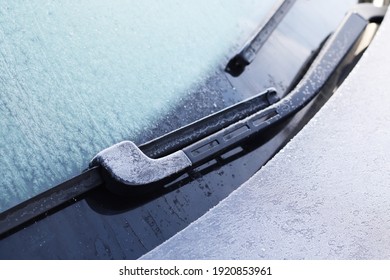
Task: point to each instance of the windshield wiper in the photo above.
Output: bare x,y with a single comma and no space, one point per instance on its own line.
116,169
128,170
237,64
71,189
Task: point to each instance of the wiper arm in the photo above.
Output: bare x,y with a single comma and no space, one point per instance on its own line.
201,128
237,64
134,172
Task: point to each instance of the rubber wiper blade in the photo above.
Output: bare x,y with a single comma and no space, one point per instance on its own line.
45,202
237,64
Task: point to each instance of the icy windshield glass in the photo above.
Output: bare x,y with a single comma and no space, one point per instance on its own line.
79,76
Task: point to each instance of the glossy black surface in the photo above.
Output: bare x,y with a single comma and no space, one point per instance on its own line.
104,226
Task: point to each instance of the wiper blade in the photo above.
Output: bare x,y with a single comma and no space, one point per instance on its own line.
237,64
45,202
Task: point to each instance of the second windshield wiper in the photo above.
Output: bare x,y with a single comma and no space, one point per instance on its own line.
237,64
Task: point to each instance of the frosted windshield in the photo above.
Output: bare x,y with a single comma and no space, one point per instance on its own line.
79,76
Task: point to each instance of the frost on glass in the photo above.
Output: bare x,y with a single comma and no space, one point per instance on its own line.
79,76
326,195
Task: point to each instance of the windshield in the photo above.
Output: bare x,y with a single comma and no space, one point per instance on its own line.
79,76
65,96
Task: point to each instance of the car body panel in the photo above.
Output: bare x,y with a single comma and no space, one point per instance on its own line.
324,196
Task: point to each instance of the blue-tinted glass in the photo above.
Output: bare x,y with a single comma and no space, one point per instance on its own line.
78,76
